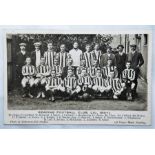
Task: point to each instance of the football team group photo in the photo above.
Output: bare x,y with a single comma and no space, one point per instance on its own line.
77,71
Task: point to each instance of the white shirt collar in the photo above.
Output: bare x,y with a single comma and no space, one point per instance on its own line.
23,52
120,53
108,54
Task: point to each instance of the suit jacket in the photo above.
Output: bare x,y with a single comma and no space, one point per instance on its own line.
135,59
104,59
20,59
120,61
95,57
33,57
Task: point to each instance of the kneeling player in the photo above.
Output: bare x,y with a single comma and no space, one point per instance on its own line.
71,87
115,85
106,70
85,82
28,71
43,71
54,86
128,77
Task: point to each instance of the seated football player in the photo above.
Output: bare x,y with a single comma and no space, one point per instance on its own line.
128,77
57,67
82,66
93,69
42,72
53,86
85,83
71,87
99,84
109,68
28,72
115,86
69,65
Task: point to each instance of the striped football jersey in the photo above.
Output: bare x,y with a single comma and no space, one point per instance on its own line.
62,59
28,70
93,71
107,69
70,82
49,58
86,80
115,84
43,69
128,74
96,55
54,82
58,69
87,57
99,81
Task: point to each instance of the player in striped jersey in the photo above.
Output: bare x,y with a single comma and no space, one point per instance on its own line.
71,87
80,68
49,55
54,86
96,54
85,82
57,67
62,56
87,56
128,77
42,72
99,84
28,72
106,70
69,65
93,68
115,85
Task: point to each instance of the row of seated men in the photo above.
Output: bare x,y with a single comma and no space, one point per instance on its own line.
82,83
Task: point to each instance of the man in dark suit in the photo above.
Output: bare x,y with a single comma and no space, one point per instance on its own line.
120,60
20,61
36,55
105,57
137,61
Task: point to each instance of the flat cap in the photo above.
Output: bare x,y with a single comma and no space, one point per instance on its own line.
120,46
133,45
22,44
37,44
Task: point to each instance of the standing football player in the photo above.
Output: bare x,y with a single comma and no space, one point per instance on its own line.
87,56
49,54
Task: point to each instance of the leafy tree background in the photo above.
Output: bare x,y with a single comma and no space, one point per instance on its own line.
67,39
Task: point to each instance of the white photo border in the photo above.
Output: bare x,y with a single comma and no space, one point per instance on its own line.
147,113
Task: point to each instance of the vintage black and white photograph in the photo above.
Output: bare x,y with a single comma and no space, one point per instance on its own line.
105,72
